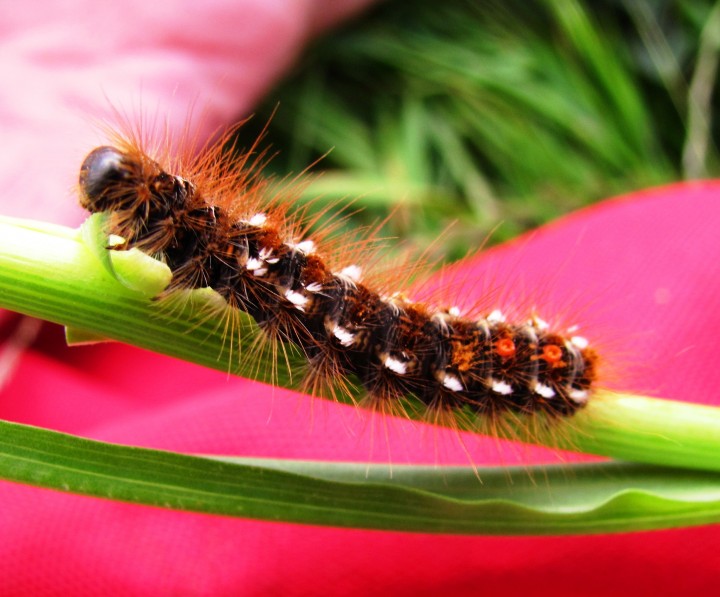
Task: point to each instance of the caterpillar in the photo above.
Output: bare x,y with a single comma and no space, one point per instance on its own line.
210,221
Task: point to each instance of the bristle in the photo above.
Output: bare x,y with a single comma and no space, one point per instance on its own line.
212,221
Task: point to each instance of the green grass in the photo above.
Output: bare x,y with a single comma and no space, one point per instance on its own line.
510,113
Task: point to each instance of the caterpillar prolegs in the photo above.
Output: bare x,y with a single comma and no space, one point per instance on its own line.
212,224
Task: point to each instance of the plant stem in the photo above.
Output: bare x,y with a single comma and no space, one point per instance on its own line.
50,272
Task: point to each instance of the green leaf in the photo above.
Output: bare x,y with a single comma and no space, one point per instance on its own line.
586,499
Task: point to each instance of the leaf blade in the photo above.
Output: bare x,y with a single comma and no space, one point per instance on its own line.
303,493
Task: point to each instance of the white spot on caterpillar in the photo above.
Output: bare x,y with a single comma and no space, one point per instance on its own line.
254,264
346,337
258,220
296,298
496,316
454,311
529,332
579,342
394,306
501,387
266,255
395,365
545,391
539,324
314,287
452,383
579,396
351,272
482,325
115,241
257,265
306,247
441,320
397,298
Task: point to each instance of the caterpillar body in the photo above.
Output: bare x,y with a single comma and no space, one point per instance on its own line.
211,226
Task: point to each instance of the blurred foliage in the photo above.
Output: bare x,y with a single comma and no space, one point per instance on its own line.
498,114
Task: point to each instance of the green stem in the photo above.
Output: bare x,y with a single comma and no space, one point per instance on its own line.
50,272
652,430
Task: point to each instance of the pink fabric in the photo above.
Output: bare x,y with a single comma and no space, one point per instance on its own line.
67,63
639,273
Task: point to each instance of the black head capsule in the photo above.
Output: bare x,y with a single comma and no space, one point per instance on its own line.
103,170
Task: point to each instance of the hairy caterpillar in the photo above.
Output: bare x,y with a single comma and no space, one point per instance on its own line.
214,226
